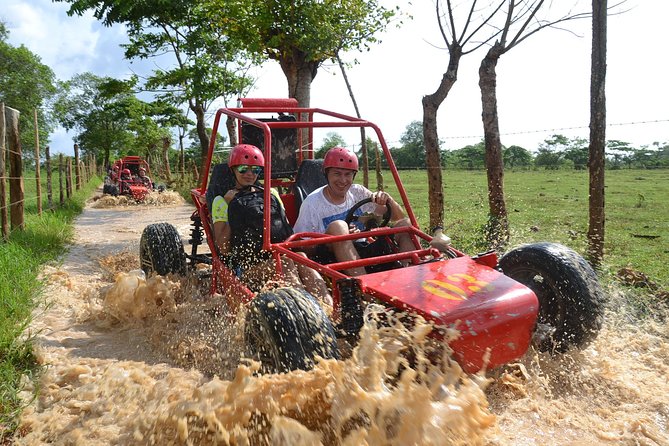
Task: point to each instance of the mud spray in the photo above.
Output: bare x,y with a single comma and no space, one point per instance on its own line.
176,375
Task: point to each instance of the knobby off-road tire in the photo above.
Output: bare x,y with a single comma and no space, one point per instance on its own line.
161,250
286,329
571,300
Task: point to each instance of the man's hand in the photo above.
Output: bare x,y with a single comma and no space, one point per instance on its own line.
381,198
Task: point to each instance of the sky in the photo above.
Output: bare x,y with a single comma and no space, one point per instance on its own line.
543,83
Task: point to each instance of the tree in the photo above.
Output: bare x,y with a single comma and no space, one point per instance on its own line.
516,156
300,35
207,64
469,157
577,153
98,113
520,22
456,41
332,139
26,84
597,132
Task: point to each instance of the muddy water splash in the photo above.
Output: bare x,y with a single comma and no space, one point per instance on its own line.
172,373
368,398
151,199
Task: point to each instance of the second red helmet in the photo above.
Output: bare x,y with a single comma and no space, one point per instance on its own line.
341,158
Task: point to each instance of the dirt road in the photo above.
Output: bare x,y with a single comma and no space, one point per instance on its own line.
162,367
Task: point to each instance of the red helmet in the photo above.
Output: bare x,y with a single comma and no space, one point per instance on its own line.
141,169
341,158
246,154
125,172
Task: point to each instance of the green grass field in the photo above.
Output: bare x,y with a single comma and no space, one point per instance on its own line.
553,206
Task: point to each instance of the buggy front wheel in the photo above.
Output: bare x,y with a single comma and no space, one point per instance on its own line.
286,329
161,250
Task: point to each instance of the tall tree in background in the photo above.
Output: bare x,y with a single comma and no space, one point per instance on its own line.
207,65
521,21
97,113
301,35
455,40
26,84
597,132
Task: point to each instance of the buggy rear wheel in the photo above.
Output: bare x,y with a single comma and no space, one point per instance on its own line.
161,250
286,329
571,300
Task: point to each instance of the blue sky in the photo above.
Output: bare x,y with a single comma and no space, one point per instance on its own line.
543,84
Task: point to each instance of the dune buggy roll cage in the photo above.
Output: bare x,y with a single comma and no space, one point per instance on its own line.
306,119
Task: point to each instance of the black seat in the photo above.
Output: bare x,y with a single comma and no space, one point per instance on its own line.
309,177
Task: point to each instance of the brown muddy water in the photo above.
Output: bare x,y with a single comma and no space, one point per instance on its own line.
134,361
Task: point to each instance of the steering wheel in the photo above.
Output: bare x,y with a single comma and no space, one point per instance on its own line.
350,217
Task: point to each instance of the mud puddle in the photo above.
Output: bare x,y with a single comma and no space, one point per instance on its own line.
136,361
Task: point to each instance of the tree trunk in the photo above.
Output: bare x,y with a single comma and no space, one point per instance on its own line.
431,105
166,159
201,127
498,231
300,73
232,130
597,132
363,139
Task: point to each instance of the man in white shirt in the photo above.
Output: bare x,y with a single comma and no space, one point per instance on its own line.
325,209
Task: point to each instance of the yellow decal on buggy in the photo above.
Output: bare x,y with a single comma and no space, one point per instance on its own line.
456,287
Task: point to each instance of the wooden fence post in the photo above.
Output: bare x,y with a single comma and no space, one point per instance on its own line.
76,166
61,169
3,180
49,187
16,190
68,178
38,184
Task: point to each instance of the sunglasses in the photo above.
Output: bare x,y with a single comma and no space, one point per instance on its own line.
243,169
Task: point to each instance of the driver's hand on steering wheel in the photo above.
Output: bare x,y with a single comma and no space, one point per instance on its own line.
353,229
381,198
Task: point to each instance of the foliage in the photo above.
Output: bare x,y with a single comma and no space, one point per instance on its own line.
411,154
300,35
278,29
516,156
469,157
207,64
332,139
26,84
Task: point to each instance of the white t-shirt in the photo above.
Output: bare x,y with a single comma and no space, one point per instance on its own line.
317,212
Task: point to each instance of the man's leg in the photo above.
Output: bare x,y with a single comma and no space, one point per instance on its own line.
344,251
403,240
314,283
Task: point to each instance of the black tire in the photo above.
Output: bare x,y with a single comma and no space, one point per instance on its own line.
113,190
161,250
571,300
105,189
286,329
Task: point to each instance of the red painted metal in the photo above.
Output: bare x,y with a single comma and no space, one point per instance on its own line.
494,314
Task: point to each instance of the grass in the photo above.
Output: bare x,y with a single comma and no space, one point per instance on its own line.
553,206
21,259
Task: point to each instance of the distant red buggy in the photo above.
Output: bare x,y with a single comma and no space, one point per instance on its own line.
129,176
541,293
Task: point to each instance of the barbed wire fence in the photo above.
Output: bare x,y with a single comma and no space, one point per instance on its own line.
12,213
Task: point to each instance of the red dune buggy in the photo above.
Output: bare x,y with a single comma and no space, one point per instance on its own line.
124,178
543,293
